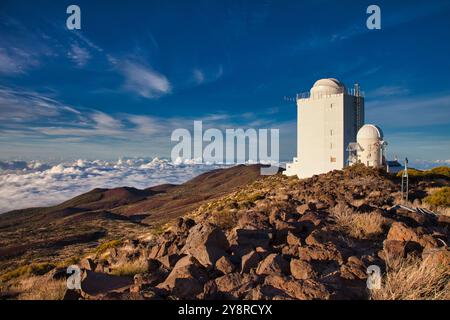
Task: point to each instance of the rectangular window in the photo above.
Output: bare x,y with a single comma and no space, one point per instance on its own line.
331,132
331,145
332,159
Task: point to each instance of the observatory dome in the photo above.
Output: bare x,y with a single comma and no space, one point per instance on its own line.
369,132
327,86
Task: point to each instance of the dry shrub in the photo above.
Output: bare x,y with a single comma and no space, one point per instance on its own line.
26,270
225,219
40,288
439,198
130,268
107,245
414,279
358,225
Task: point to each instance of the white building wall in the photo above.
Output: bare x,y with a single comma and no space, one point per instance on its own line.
328,120
325,127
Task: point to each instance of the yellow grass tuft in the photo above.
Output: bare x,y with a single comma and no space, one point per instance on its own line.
439,198
107,245
358,225
40,288
31,269
414,279
130,268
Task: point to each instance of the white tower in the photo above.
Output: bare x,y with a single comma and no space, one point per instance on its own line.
371,146
329,116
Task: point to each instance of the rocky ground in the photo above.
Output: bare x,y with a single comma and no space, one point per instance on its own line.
284,238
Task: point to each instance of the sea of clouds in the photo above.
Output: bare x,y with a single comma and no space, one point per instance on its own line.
25,184
33,184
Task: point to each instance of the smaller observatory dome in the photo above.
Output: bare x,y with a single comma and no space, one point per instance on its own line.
327,86
369,132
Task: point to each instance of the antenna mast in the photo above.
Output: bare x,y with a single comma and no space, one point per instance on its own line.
405,182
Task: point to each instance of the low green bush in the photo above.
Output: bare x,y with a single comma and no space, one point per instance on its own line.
439,198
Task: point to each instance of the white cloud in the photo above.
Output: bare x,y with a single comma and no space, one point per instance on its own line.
21,49
15,61
34,184
79,55
146,124
18,105
88,42
388,91
199,76
410,112
144,81
104,121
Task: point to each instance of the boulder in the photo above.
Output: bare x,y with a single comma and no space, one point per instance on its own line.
394,249
273,264
298,289
353,269
88,264
253,220
267,292
235,285
302,270
302,209
186,279
151,279
158,250
207,243
437,257
94,283
293,240
401,232
322,252
250,261
311,217
169,260
253,238
290,251
224,265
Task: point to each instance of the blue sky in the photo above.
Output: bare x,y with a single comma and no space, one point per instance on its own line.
139,69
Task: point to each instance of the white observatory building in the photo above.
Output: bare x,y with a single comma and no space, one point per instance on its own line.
331,133
369,147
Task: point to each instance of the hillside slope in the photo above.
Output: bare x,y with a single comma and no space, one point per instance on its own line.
74,227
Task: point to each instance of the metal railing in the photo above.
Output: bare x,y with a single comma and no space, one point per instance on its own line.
349,91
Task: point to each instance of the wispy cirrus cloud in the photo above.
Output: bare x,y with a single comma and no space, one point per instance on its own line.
79,55
201,76
16,61
21,49
143,80
146,124
389,91
410,112
24,105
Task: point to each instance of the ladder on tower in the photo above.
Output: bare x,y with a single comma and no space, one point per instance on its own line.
357,93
